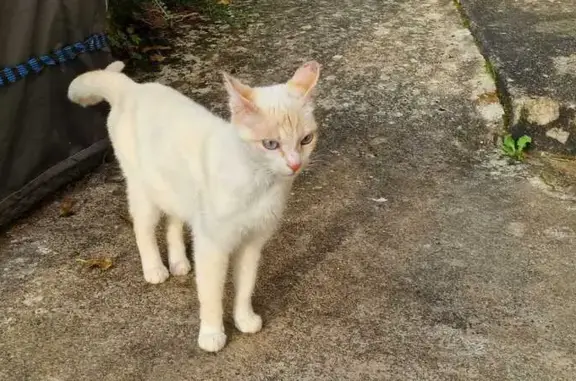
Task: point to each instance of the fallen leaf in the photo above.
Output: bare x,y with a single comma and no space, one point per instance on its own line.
488,98
66,206
381,199
101,263
157,58
224,2
155,47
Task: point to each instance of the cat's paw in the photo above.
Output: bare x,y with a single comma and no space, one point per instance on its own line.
179,268
156,275
248,323
211,341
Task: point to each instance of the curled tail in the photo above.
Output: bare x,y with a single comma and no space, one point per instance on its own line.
95,86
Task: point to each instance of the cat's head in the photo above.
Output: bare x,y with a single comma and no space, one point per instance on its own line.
277,121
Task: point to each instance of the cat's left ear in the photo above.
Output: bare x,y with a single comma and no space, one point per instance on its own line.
305,78
240,95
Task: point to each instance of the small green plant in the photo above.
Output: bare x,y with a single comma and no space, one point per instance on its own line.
126,39
490,70
515,148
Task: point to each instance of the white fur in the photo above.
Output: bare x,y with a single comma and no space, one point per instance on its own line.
181,160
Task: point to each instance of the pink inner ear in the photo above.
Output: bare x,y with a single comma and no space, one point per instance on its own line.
243,90
240,95
306,77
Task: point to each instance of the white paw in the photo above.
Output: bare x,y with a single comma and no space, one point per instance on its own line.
211,341
156,275
248,323
182,267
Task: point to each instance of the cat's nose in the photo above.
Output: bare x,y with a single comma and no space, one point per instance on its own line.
295,166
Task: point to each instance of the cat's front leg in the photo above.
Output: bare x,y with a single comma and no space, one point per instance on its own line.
211,262
246,263
179,263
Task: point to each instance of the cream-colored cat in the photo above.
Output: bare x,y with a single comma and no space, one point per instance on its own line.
228,180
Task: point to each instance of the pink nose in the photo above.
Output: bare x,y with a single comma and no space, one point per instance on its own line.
295,166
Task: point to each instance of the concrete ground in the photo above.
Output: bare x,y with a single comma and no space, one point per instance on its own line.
531,45
410,250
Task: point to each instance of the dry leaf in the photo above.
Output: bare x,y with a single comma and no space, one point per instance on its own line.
224,2
66,206
488,98
101,263
155,47
157,58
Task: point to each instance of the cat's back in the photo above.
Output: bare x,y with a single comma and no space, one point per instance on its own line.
165,99
172,110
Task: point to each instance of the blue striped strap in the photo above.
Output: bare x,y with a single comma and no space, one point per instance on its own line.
35,65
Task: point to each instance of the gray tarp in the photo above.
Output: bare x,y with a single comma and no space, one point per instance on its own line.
45,140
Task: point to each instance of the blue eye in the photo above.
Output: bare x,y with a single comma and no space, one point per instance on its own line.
270,144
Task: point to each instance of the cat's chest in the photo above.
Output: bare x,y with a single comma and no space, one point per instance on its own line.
251,207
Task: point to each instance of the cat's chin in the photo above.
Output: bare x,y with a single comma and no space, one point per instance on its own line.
291,176
288,174
284,176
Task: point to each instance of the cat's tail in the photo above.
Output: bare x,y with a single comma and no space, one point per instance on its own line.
95,86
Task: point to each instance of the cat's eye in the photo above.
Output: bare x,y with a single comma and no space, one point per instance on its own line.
307,139
270,144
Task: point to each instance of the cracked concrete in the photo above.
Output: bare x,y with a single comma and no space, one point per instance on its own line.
411,250
531,46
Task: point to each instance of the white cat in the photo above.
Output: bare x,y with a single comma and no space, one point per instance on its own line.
228,181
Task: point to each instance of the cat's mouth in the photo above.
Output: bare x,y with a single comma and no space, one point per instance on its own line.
288,173
293,173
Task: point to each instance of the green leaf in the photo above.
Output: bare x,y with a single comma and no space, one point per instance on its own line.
135,39
508,151
510,143
113,40
523,141
519,155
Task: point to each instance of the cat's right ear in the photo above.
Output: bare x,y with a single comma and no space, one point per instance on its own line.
239,96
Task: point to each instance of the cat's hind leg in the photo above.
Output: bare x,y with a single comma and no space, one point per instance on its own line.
179,263
145,216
